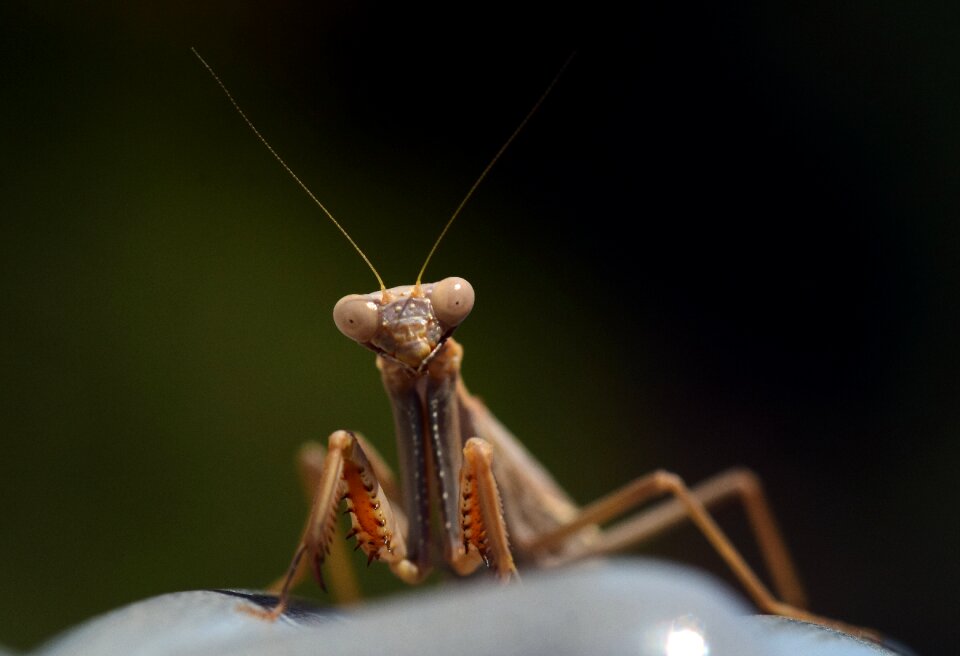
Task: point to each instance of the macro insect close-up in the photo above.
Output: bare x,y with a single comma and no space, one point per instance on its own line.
493,499
723,240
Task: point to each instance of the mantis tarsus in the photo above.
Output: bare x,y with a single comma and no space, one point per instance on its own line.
496,504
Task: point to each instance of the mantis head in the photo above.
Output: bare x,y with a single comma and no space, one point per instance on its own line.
406,324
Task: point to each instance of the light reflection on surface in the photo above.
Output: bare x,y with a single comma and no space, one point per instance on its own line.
686,641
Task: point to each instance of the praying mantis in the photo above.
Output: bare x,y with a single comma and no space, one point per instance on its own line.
496,505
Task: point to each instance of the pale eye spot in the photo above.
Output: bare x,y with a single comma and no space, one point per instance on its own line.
452,300
356,317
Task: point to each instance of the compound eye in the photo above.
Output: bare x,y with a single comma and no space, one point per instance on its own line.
357,317
452,300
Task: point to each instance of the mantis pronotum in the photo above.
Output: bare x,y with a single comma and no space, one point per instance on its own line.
497,505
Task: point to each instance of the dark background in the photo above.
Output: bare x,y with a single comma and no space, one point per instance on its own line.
729,237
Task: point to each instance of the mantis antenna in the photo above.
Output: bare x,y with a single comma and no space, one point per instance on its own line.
489,166
290,171
329,214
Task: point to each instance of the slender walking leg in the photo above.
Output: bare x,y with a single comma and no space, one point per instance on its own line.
690,505
738,484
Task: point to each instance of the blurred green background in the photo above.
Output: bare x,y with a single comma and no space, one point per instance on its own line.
730,237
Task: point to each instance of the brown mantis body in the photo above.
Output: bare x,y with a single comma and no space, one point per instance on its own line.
497,506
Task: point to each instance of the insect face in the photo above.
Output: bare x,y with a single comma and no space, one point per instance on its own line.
406,324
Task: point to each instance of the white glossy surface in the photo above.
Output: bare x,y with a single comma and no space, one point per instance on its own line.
621,607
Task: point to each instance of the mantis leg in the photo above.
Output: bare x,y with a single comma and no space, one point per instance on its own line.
738,484
691,504
550,528
343,579
346,474
483,527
